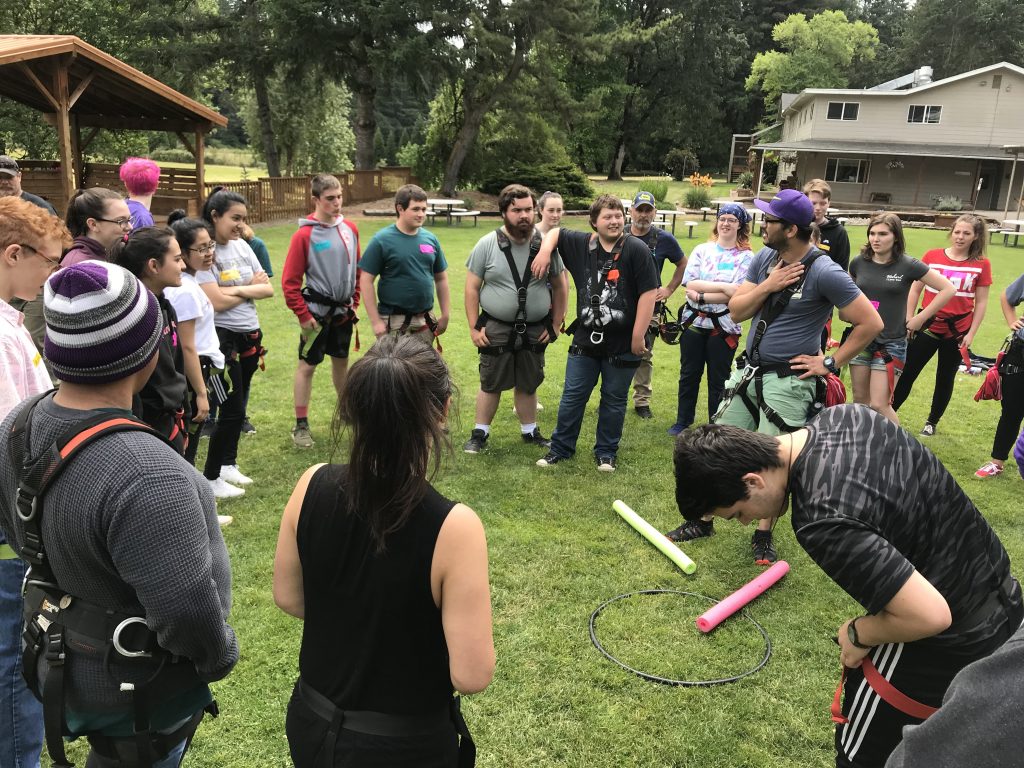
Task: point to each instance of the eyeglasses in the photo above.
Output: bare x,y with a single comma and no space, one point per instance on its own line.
122,223
208,248
54,264
728,220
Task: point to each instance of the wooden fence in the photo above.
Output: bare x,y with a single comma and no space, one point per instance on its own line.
269,199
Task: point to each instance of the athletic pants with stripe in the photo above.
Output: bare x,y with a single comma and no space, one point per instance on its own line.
875,727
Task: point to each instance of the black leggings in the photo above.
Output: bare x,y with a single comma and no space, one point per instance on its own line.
921,350
1010,416
241,358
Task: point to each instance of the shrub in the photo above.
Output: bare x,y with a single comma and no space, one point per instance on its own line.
770,170
948,203
745,180
697,197
679,161
657,188
565,178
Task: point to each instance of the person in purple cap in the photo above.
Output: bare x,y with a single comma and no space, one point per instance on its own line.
776,391
128,530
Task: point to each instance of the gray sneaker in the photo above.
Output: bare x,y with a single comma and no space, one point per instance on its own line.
476,443
301,436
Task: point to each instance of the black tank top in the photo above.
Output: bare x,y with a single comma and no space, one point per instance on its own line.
372,637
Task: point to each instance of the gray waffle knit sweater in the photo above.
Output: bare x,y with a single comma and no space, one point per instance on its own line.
130,526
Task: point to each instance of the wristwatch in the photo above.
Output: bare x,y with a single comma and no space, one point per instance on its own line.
830,365
851,633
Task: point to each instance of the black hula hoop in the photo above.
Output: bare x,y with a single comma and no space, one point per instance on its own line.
666,680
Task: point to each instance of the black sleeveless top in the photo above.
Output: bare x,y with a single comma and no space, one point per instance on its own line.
372,637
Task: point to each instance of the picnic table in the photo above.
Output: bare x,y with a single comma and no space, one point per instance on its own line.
449,204
1015,233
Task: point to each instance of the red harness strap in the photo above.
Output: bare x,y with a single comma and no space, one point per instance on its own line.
888,693
891,366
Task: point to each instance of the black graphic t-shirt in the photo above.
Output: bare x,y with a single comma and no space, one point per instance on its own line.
606,303
871,504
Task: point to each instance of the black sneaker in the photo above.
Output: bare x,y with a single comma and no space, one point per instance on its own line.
536,438
247,427
605,463
476,443
644,412
928,430
764,550
690,530
549,460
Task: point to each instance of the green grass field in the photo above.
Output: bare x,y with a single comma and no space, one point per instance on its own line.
557,551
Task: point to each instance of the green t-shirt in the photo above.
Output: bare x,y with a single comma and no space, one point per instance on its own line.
406,265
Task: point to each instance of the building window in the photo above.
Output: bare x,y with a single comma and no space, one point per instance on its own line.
922,114
845,171
843,110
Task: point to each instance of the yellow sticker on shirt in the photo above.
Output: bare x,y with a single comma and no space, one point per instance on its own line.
37,360
230,274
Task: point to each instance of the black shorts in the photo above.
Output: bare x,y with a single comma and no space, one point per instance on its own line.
333,340
306,732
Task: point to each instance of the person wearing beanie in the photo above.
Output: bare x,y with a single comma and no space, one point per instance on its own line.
141,176
776,391
129,526
31,241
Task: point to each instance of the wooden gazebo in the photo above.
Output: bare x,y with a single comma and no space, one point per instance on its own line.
80,89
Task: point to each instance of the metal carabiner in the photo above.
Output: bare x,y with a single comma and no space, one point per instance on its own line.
596,337
116,639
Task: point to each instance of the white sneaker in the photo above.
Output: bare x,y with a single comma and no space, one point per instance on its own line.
223,520
224,490
230,473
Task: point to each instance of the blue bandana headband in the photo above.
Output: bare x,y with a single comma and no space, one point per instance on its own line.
735,209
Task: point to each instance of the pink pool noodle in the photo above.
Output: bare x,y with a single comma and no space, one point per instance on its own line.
714,616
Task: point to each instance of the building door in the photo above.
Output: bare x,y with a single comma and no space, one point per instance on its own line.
990,178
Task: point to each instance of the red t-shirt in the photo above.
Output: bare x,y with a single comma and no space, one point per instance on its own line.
966,277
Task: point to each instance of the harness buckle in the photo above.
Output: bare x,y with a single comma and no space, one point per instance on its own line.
23,501
116,638
54,648
597,337
519,327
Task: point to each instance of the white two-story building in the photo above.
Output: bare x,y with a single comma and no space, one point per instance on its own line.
911,140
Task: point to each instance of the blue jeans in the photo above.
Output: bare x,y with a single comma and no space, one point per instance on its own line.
21,716
581,374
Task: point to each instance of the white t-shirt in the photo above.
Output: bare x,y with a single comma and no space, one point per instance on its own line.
234,263
190,302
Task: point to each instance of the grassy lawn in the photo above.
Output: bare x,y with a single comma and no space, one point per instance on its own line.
558,551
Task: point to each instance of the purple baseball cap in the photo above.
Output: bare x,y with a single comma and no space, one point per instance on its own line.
790,205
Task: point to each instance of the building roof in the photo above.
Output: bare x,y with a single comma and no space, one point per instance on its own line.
805,95
103,91
888,148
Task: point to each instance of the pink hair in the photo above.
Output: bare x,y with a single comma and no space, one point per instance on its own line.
140,175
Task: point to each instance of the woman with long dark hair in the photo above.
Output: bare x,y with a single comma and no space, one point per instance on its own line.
152,255
952,329
233,284
199,343
389,577
885,274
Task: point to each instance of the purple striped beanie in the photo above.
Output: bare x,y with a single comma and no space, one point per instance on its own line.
102,323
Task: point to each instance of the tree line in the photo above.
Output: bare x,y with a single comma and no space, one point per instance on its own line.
466,89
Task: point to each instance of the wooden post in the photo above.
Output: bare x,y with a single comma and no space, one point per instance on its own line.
64,140
200,155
